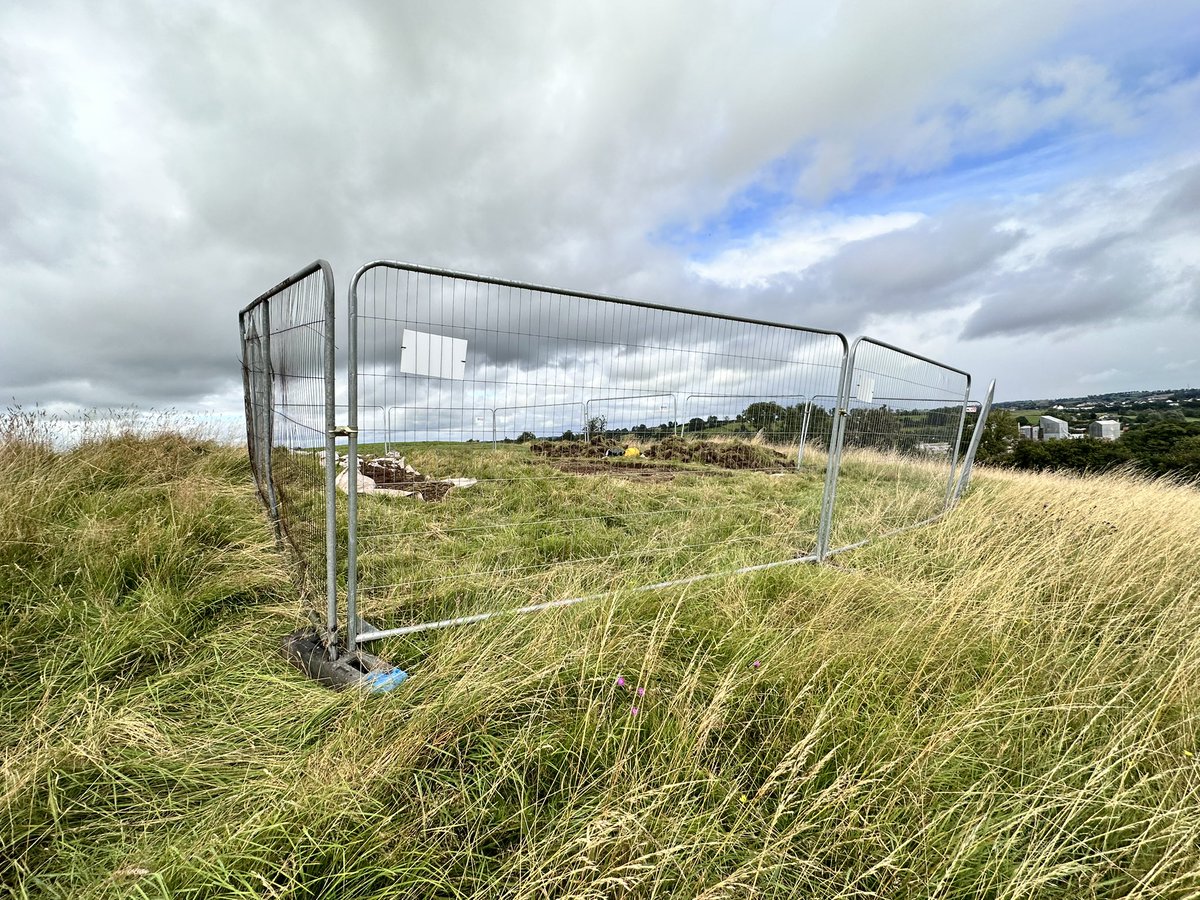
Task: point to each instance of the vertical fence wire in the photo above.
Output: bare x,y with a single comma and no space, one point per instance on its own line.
498,473
287,371
898,452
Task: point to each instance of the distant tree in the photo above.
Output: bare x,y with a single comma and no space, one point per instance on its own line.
1183,458
762,414
1158,437
596,426
820,422
712,422
792,420
526,437
1165,446
1082,455
1000,434
695,424
878,428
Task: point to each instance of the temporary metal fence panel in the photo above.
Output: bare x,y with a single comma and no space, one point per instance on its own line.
981,417
553,517
288,376
897,443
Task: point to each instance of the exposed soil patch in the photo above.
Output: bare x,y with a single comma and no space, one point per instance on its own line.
725,454
393,474
574,449
592,459
631,471
731,455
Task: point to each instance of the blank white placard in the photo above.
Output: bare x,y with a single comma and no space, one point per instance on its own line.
433,355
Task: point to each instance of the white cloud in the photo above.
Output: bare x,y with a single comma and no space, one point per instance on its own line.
796,248
164,162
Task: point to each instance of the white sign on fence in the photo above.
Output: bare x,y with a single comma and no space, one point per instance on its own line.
866,389
433,355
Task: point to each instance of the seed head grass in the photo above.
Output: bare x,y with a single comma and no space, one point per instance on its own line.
1005,703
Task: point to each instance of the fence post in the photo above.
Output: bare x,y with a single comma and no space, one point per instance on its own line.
837,430
964,480
247,400
803,432
330,349
352,465
962,421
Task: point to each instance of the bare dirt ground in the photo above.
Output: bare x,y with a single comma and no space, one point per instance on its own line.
632,471
738,455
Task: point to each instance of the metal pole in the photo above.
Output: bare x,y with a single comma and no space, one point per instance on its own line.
268,412
494,444
369,636
248,400
833,464
331,598
962,421
803,433
964,480
352,467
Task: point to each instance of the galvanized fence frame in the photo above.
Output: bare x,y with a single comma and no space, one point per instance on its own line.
964,479
356,634
270,338
263,322
837,448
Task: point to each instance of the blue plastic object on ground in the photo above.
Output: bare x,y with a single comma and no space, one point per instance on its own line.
382,682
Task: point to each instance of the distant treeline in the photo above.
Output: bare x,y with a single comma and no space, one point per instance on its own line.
1163,445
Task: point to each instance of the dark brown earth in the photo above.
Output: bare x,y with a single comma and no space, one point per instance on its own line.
394,478
727,455
731,455
631,471
573,449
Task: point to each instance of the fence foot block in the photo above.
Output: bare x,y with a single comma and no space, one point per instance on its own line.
361,670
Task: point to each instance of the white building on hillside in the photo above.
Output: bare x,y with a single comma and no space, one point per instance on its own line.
1105,429
1054,429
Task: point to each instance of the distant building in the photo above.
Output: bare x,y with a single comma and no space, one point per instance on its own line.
936,448
1030,432
1105,429
1054,429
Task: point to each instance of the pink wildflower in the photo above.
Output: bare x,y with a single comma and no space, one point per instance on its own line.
641,692
620,681
756,664
633,710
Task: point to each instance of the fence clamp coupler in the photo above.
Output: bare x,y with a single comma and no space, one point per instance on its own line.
343,431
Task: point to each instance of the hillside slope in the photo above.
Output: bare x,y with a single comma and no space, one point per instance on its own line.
1004,704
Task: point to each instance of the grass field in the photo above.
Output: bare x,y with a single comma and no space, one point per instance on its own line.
920,722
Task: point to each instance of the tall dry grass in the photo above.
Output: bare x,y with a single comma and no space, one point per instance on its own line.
1004,704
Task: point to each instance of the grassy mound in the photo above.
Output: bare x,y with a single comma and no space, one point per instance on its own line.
1004,704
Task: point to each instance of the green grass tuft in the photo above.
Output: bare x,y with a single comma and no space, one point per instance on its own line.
1003,704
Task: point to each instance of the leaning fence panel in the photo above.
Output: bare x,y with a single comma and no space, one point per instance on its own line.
538,443
897,449
287,369
977,431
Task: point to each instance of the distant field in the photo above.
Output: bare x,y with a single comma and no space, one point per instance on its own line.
1003,704
1031,414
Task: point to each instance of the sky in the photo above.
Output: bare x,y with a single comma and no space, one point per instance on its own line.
1013,188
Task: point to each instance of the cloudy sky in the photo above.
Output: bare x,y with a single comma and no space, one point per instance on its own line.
1011,187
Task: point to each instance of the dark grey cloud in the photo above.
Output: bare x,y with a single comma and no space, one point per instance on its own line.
160,164
928,258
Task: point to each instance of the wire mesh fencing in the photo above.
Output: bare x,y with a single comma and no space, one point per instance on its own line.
515,447
543,435
898,442
287,339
